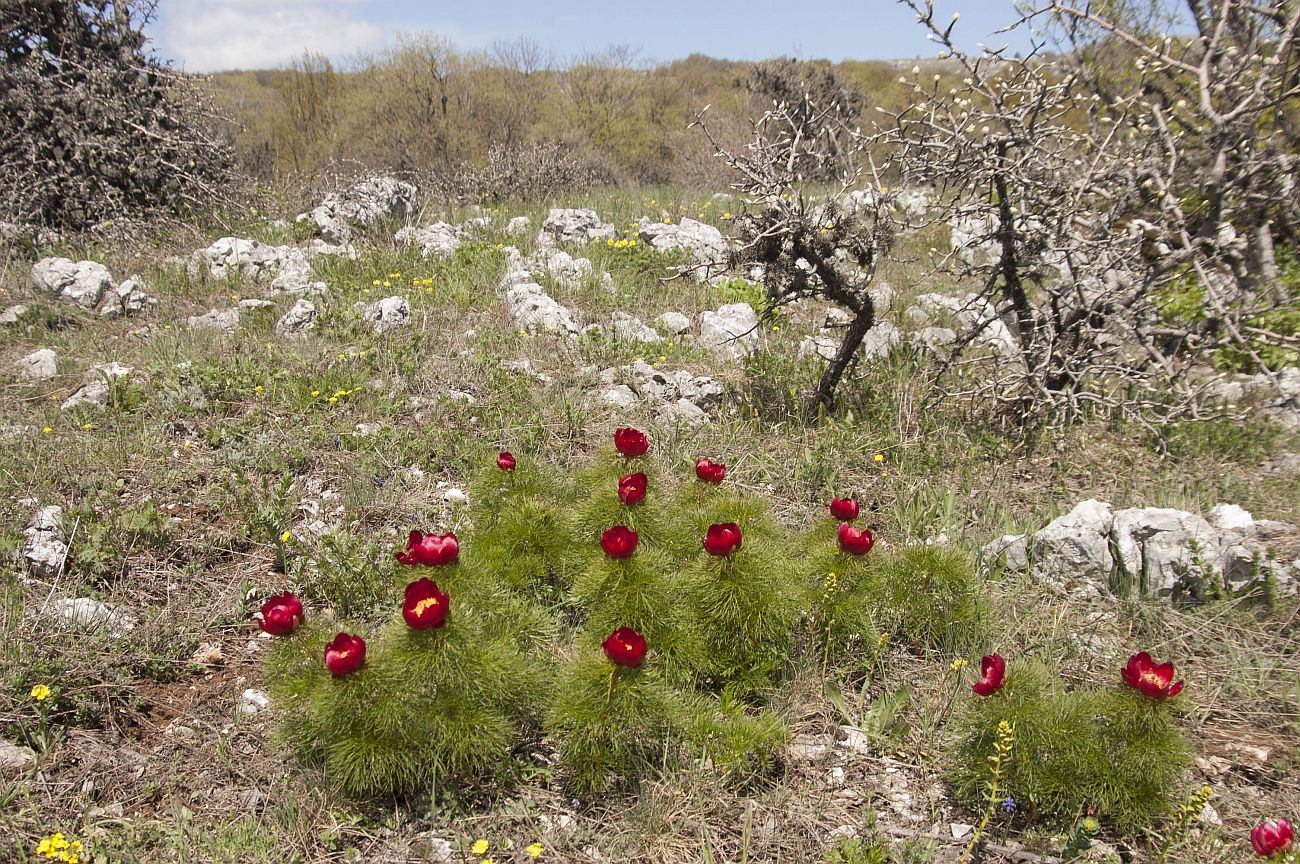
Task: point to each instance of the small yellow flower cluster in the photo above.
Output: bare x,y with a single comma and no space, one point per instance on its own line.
339,394
623,243
352,355
40,693
480,848
286,536
1002,747
59,848
426,283
959,663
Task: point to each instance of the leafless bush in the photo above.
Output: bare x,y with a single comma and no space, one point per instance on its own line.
95,126
527,173
817,102
827,250
1072,212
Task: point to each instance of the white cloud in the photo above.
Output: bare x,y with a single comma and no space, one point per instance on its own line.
212,35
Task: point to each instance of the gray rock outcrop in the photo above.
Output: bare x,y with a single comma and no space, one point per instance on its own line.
387,315
1095,551
89,285
40,365
362,204
731,331
580,226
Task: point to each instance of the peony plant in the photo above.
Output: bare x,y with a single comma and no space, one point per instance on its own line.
1117,752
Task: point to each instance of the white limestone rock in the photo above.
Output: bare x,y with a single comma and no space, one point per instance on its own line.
299,320
731,331
40,365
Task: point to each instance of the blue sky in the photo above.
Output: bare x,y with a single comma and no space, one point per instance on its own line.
209,35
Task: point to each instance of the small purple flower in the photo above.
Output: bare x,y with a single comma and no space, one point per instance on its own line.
379,481
1009,805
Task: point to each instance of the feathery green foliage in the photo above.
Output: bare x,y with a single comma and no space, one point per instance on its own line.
930,596
610,722
1117,753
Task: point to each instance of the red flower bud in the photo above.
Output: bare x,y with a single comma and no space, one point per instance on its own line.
425,607
844,509
430,550
630,442
345,654
993,672
710,471
618,542
855,541
722,539
281,615
1150,678
625,647
506,460
1272,837
631,488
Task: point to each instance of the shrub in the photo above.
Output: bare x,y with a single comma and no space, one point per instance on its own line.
99,127
931,597
1119,754
610,721
426,705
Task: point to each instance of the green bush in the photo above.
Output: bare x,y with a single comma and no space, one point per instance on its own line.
932,598
1114,753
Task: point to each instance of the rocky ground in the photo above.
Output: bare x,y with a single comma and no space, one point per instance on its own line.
188,415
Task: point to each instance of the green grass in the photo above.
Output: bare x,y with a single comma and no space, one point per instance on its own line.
179,486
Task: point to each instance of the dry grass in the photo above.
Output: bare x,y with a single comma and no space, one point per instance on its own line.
144,757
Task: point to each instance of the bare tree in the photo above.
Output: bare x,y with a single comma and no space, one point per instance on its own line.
806,249
1070,211
819,102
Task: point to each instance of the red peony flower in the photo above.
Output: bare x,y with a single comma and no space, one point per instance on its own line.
1271,837
844,509
1150,678
506,460
281,615
430,550
345,654
631,488
618,542
630,442
425,607
710,471
993,672
625,647
722,539
855,541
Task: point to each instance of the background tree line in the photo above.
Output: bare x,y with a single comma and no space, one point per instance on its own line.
423,106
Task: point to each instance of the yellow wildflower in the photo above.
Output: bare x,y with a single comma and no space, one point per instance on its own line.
959,663
47,430
286,537
87,425
535,850
880,457
480,846
259,388
315,393
40,693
